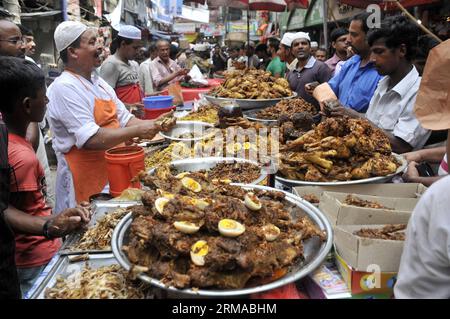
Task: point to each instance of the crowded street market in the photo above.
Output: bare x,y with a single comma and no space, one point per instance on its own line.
251,149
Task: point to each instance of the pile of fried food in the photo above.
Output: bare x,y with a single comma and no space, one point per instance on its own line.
287,108
356,201
206,113
338,149
389,232
196,233
175,151
108,282
231,172
252,84
99,236
235,172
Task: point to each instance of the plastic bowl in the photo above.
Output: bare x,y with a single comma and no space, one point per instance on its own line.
151,114
158,102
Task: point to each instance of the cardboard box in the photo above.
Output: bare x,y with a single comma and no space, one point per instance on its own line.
402,190
366,285
333,206
364,253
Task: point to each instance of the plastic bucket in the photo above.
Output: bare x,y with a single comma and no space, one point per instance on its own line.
151,114
123,164
158,102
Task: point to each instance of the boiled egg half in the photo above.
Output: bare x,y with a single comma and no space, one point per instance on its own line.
230,228
198,252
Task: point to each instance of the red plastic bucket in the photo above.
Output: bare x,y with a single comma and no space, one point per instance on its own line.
151,114
123,164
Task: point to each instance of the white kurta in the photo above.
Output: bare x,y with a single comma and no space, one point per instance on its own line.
425,263
71,117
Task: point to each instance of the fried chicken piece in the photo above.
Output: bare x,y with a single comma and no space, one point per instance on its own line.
319,159
314,175
311,198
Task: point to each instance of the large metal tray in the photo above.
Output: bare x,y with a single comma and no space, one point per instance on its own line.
372,180
64,268
248,104
198,164
314,252
183,127
100,209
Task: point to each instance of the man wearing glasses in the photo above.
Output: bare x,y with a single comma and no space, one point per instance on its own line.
11,41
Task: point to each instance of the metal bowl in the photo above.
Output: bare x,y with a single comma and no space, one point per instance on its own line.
184,127
248,104
371,180
197,164
314,253
252,115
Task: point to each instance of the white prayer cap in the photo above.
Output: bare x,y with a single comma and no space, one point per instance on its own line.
314,44
301,35
130,32
200,47
67,32
287,39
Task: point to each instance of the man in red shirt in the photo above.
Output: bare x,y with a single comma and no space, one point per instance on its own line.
22,87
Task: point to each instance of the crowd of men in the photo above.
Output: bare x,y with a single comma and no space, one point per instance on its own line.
91,107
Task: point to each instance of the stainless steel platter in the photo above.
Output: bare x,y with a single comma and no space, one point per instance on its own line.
186,127
371,180
253,116
248,104
100,209
198,164
314,252
64,267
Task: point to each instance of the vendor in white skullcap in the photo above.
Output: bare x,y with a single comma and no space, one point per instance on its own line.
307,69
86,117
285,51
200,57
120,70
314,47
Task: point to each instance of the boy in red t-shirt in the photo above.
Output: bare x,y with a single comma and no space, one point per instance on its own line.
22,87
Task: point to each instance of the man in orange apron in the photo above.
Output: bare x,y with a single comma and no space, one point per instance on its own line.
120,71
86,117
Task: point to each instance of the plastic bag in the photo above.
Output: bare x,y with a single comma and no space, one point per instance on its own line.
197,76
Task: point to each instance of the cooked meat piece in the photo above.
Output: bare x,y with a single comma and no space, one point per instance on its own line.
389,232
311,198
356,201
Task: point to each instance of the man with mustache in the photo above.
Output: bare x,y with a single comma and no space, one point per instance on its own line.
86,117
307,70
355,84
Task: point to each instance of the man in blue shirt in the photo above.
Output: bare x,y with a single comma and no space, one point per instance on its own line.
358,79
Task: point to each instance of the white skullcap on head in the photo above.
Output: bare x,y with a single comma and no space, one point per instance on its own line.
301,35
67,32
287,39
200,47
314,44
130,32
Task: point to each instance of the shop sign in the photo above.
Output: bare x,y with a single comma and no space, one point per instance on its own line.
184,27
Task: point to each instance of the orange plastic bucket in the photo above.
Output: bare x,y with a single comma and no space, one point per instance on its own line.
124,163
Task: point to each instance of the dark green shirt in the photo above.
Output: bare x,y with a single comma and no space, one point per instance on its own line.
276,66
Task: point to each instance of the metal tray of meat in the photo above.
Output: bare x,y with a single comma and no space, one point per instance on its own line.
188,127
248,104
314,253
371,180
64,267
100,209
197,164
252,115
